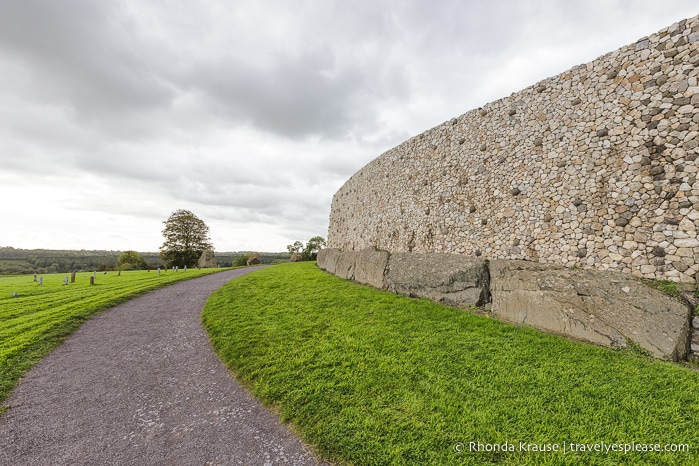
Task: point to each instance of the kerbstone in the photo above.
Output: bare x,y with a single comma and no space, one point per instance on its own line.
449,278
370,267
345,264
602,307
327,259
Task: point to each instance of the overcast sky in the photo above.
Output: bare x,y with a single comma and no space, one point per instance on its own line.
251,114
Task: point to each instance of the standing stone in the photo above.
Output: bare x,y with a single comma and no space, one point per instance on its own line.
92,280
158,271
35,277
72,277
41,281
207,259
65,280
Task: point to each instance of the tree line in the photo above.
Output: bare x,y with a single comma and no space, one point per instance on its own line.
15,261
186,240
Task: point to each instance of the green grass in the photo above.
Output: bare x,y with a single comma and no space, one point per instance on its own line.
668,287
39,318
370,378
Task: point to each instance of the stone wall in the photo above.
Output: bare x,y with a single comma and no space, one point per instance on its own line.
596,167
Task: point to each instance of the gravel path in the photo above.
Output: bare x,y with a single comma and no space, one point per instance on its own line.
140,384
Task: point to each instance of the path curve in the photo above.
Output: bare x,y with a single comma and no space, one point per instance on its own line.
140,384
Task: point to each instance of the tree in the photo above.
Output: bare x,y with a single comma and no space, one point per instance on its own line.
315,244
131,260
241,260
186,238
294,248
307,253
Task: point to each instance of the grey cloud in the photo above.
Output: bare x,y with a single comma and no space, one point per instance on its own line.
298,96
84,56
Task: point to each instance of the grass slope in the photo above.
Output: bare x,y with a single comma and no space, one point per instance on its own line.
368,377
39,318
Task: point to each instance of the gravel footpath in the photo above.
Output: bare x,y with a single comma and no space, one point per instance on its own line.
140,384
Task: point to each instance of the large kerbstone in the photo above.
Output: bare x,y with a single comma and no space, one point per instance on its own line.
449,278
601,307
321,258
327,259
370,267
345,264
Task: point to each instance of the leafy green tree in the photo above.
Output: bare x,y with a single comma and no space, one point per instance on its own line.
241,261
131,260
186,238
294,248
315,244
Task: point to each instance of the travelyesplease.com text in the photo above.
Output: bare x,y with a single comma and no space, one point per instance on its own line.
569,447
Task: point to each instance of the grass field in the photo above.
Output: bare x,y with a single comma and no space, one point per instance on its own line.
371,378
40,317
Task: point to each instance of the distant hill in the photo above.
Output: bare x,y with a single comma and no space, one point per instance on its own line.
21,261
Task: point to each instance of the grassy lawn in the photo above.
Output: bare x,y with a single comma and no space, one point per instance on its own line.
369,378
39,318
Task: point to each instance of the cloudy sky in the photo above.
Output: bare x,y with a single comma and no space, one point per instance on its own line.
251,114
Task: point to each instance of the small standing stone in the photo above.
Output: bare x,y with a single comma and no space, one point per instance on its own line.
185,268
72,277
65,280
92,280
35,277
158,271
41,281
